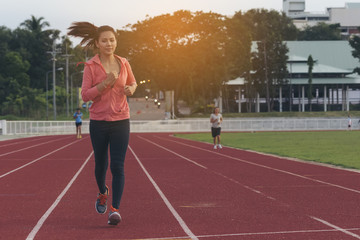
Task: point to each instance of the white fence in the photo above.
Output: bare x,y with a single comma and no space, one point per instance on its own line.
183,125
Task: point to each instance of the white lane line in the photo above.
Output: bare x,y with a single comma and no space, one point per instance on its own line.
187,159
4,154
267,167
246,186
166,201
336,227
21,142
223,236
29,163
39,224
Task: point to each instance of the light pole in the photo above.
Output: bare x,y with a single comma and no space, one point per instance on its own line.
54,88
47,84
67,56
53,54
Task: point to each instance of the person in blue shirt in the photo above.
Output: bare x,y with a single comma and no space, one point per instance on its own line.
78,122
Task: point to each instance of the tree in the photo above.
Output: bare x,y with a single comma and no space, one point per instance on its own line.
16,96
268,62
184,51
262,23
33,43
310,63
5,39
13,74
355,44
16,68
320,31
35,25
24,64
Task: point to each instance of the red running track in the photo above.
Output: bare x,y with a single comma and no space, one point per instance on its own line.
175,189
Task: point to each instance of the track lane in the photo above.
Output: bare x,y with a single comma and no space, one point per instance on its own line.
25,195
11,149
327,202
21,141
24,156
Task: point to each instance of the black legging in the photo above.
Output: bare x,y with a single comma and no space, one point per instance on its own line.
116,135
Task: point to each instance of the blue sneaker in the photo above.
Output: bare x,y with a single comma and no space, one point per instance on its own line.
114,216
100,204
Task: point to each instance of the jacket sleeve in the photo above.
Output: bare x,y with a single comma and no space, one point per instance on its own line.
130,76
89,91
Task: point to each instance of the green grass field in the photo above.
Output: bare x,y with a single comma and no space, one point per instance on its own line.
339,148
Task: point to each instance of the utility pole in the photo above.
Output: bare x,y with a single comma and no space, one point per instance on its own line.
67,56
53,54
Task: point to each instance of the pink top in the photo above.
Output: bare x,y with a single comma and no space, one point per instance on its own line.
110,104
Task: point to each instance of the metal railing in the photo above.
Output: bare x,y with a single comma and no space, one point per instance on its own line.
183,125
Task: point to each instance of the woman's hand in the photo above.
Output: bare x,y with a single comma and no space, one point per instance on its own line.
129,90
108,82
111,79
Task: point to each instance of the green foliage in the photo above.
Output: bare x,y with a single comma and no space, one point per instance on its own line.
354,42
22,100
321,31
16,68
25,63
33,43
11,117
263,23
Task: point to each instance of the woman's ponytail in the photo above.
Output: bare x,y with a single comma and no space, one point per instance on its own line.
85,30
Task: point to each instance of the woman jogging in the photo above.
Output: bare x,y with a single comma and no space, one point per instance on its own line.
216,120
107,81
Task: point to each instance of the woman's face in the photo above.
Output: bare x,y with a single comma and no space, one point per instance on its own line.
217,110
106,43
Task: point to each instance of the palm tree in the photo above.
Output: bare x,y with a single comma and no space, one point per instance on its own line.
310,63
35,25
37,41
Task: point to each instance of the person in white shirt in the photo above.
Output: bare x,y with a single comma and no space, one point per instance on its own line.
216,120
349,122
